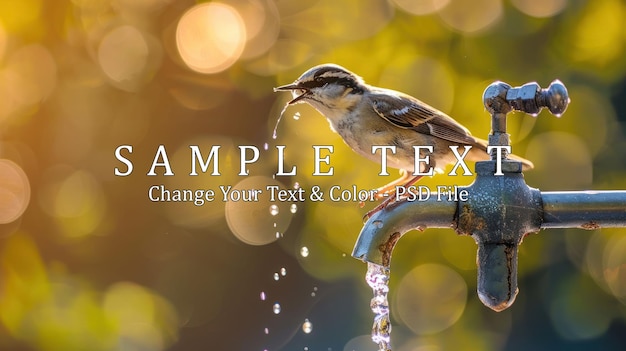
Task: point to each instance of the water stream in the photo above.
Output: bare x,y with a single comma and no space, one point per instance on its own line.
377,278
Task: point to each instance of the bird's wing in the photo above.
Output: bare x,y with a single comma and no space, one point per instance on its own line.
407,112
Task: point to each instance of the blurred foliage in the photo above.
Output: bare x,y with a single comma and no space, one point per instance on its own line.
88,262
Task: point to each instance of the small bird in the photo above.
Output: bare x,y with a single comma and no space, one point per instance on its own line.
365,115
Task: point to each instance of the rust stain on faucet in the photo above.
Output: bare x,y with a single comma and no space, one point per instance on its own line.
468,221
386,248
591,225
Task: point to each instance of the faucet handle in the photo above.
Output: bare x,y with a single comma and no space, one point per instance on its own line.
530,98
501,98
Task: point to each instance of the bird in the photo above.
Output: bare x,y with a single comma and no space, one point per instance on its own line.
365,115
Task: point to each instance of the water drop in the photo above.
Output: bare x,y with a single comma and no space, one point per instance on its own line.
276,276
313,294
276,308
274,210
304,251
378,223
293,208
266,330
296,185
307,326
283,271
278,235
262,295
296,116
266,146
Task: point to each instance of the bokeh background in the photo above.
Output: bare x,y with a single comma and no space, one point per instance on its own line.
88,262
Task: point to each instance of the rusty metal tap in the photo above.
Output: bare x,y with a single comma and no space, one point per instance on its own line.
501,208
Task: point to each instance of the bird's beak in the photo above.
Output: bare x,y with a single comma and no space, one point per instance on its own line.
293,87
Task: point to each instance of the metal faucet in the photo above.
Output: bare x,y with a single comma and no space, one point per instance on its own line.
500,209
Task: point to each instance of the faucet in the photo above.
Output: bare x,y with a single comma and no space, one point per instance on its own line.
500,209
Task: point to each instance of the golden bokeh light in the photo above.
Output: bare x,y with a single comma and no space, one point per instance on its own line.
210,37
128,57
421,7
75,199
540,8
28,77
262,23
14,191
472,16
257,222
142,318
430,298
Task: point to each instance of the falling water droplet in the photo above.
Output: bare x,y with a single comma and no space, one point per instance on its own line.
266,330
296,116
278,235
276,276
266,146
276,308
304,251
293,208
296,185
307,326
283,271
262,295
274,210
275,224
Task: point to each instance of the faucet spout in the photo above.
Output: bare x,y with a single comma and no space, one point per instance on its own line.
383,230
